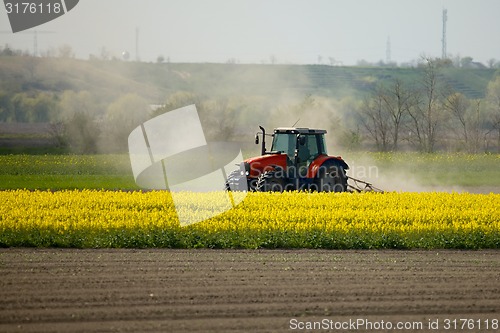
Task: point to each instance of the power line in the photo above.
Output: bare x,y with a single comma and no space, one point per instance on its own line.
35,37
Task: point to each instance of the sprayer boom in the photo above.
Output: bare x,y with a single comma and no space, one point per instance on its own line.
357,186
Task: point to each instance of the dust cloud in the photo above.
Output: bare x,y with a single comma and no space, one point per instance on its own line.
393,177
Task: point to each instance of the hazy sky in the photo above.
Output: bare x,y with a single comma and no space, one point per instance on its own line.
252,31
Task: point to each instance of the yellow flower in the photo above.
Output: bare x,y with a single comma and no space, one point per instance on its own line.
290,219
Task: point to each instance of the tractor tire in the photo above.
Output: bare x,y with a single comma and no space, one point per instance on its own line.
235,179
252,184
332,178
231,176
270,182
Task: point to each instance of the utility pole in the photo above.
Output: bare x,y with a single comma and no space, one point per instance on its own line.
443,40
35,37
388,51
137,44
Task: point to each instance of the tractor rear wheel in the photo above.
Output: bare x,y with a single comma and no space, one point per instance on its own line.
332,178
270,181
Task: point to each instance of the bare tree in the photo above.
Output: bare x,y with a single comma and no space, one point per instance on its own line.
493,102
467,120
426,113
457,104
384,113
495,123
376,120
475,122
397,102
56,131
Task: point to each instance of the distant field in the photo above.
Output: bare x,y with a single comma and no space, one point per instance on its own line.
390,171
58,172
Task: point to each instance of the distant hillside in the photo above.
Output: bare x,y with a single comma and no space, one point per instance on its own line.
91,106
109,79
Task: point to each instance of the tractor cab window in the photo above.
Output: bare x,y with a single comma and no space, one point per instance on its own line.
308,148
322,145
284,143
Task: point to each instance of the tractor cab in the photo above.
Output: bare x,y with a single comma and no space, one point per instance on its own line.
301,146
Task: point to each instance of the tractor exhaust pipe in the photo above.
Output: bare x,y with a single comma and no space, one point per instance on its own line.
263,149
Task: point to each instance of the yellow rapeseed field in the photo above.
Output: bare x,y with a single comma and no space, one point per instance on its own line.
92,218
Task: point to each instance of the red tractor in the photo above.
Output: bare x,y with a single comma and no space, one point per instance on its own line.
297,161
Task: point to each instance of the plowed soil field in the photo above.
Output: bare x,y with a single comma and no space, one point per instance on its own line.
163,290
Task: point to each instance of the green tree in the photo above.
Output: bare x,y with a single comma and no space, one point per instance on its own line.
5,107
44,108
177,100
81,132
122,116
72,102
33,107
80,118
466,62
220,116
18,112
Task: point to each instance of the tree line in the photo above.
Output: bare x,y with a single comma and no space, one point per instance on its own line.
79,122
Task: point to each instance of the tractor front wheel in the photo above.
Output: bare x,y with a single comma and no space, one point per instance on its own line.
237,182
269,181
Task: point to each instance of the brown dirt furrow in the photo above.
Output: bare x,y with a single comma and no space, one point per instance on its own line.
162,290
